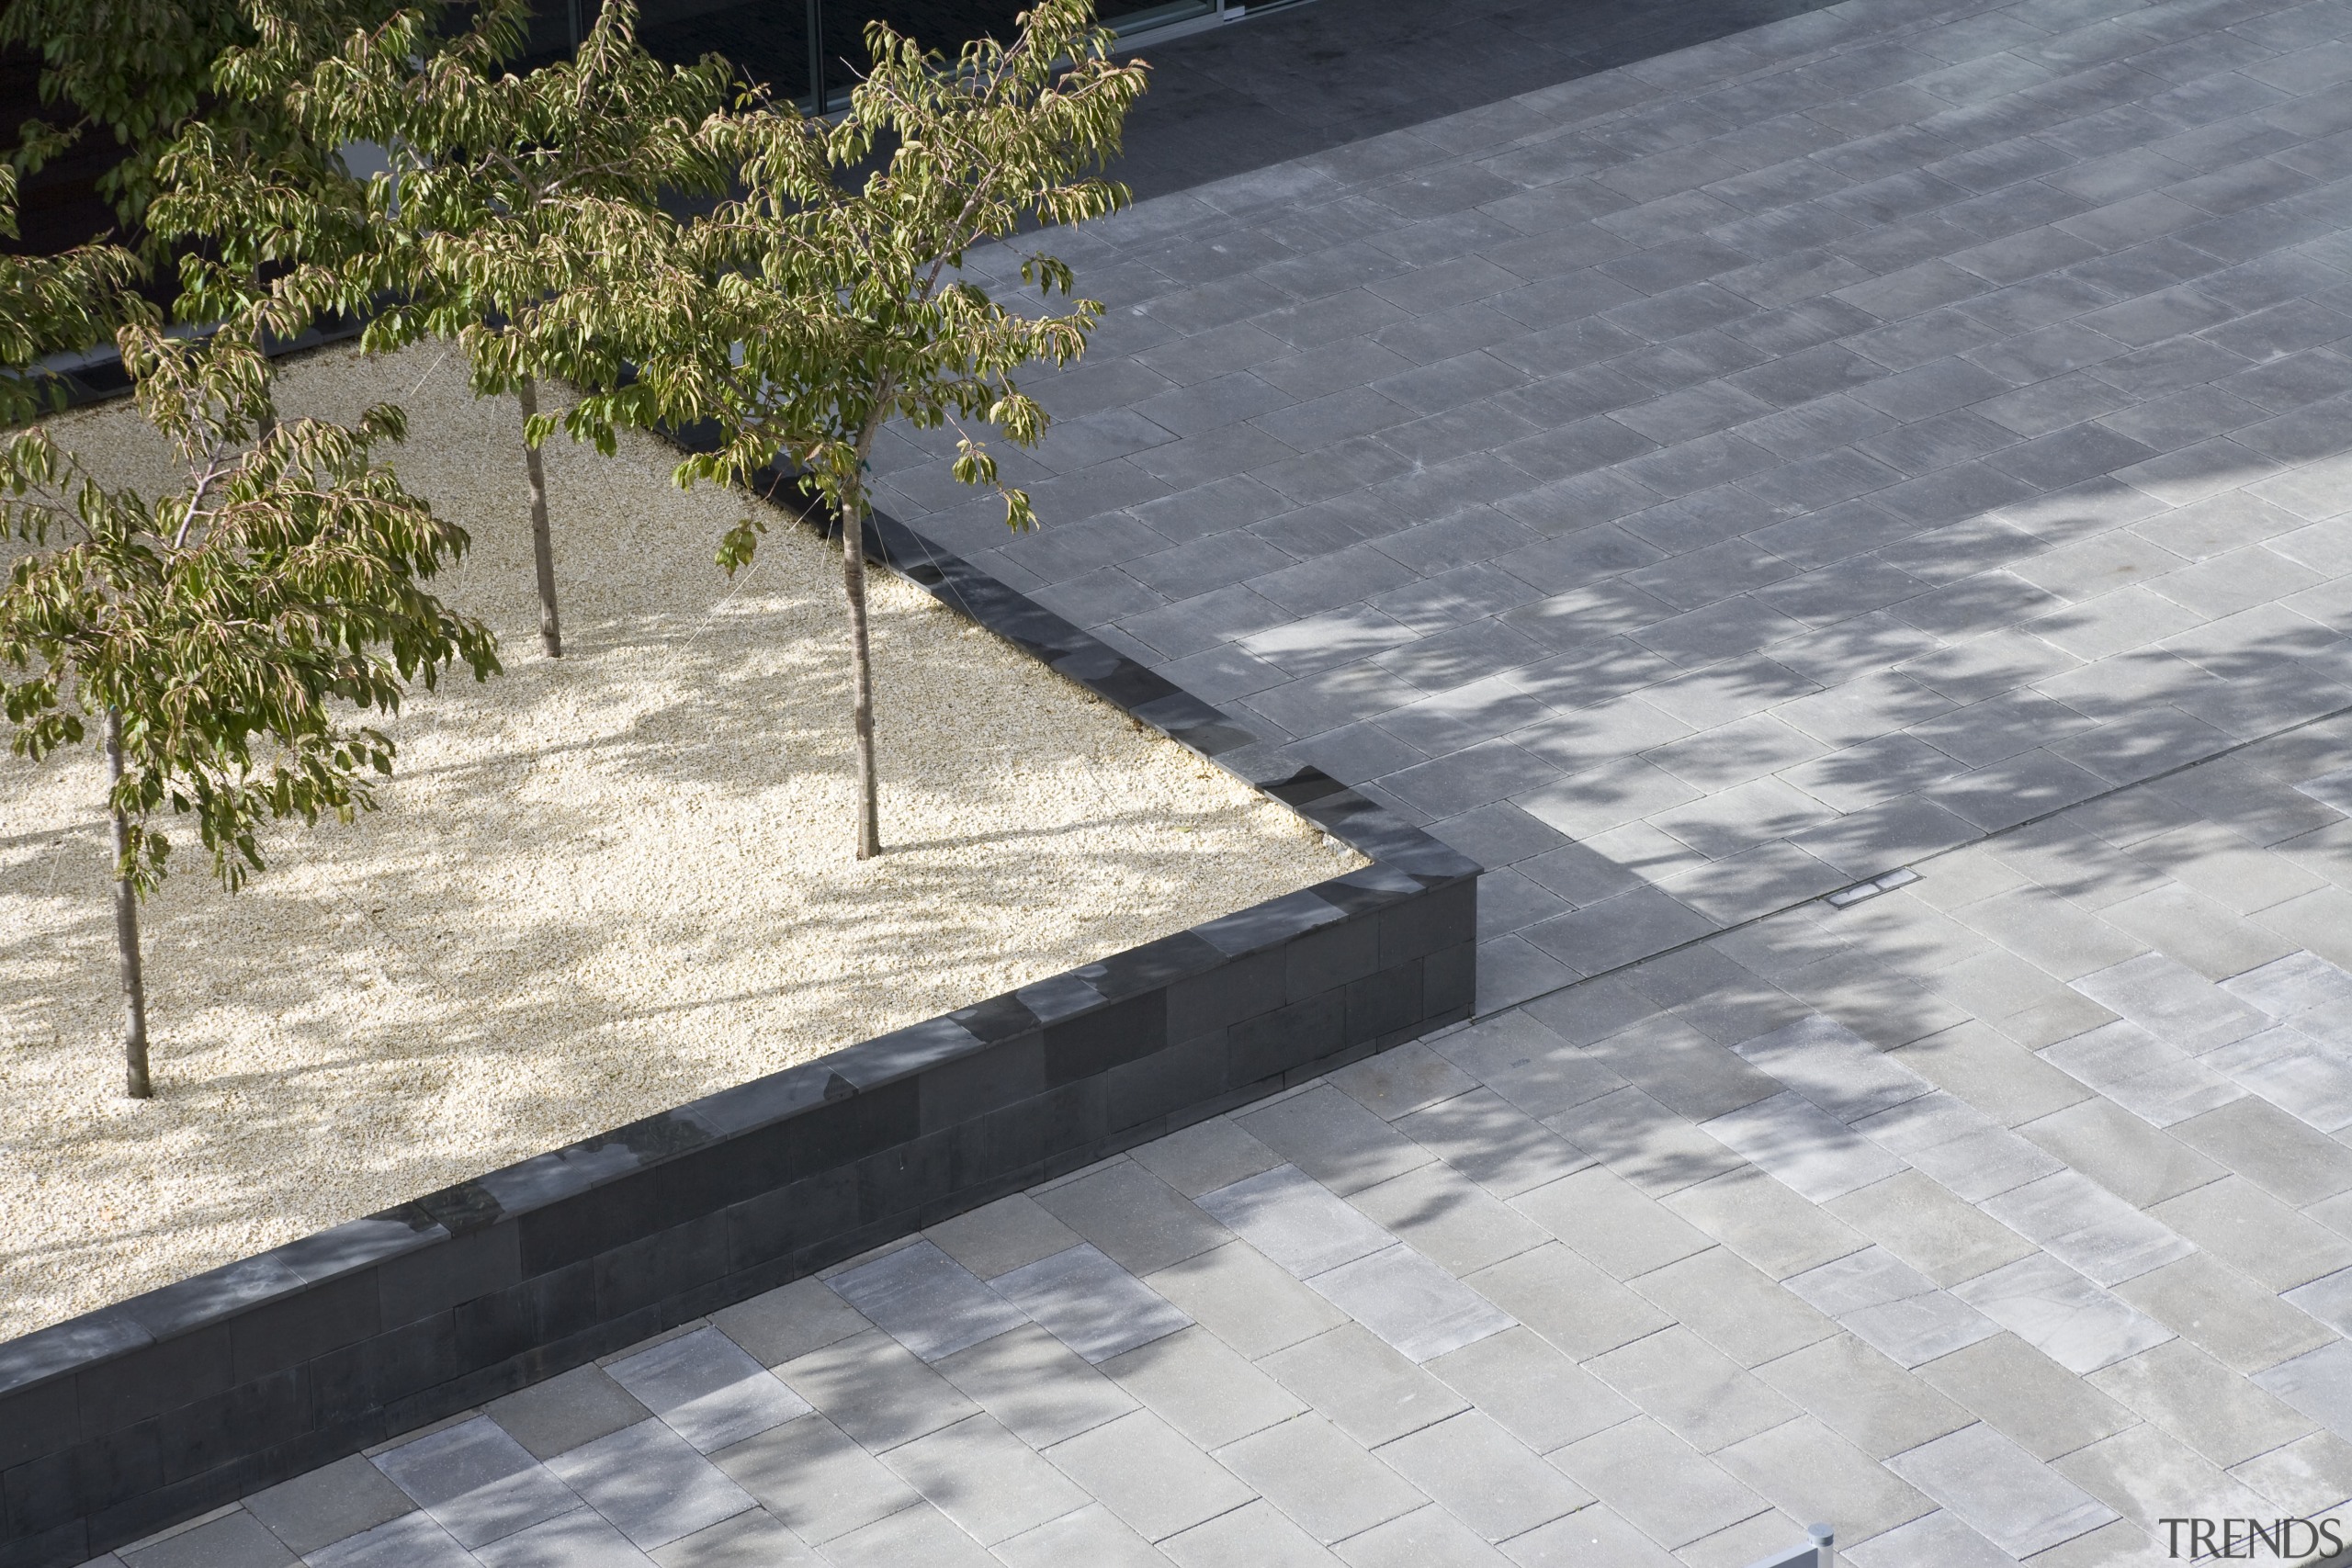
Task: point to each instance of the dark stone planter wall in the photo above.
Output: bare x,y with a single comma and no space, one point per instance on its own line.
125,1420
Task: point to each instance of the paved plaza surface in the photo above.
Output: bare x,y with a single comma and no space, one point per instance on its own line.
1704,483
1895,436
1992,1219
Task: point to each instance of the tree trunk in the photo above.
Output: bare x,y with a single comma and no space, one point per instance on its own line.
126,926
861,673
542,549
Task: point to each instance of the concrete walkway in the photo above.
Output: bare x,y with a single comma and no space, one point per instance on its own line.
1995,1219
1898,435
1702,484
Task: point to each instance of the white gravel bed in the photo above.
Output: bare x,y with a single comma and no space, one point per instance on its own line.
598,887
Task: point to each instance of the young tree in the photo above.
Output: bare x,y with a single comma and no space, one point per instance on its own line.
833,309
502,192
140,71
212,634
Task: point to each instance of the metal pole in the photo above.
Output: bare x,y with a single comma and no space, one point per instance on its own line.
816,57
1825,1545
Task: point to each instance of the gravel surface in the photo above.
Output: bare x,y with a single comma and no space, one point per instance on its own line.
597,888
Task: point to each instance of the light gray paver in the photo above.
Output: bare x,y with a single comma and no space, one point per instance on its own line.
578,1540
985,1479
1794,1140
707,1389
1140,1468
1484,1475
926,1301
1090,1304
477,1482
416,1538
817,1479
752,1539
329,1503
2317,1383
1029,1380
2019,1504
1295,1222
2060,1313
1203,1388
650,1485
1410,1301
1892,1306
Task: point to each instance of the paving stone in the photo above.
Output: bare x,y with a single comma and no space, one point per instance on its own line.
1246,1301
1090,1304
1695,1391
328,1503
2026,1397
577,1539
1408,1078
2060,1313
1366,1388
1992,1074
1938,1538
2293,1072
1138,1221
2124,1154
1893,1307
1140,1468
814,1479
1922,1222
651,1484
2305,1477
564,1412
1609,1222
1203,1388
1031,1382
1484,1476
477,1484
875,1390
413,1540
1569,1302
1428,1536
234,1538
2202,1403
1796,1142
2140,1073
1090,1538
783,1324
1539,1395
2222,1312
1657,1482
2252,1232
1833,1067
1295,1220
926,1300
1001,1236
1417,1307
2143,1473
1596,1533
1205,1156
1863,1396
1997,1490
2088,1228
707,1389
1734,1307
1810,1472
989,1481
1765,1223
751,1539
1257,1531
1449,1218
1334,1140
1327,1484
920,1534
